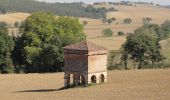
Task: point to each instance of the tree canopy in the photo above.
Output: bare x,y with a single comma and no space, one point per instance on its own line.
44,36
6,47
143,47
107,32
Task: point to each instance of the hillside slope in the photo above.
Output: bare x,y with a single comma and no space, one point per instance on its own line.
95,26
61,9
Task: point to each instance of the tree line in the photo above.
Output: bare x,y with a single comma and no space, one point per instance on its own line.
142,48
60,9
39,48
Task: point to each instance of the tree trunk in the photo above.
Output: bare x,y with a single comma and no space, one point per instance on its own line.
140,65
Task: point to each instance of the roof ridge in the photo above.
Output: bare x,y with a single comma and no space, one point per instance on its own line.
86,45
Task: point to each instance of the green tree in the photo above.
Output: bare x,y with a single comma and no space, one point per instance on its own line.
107,32
109,21
6,47
127,21
120,33
16,24
143,47
113,19
146,21
166,29
85,23
44,36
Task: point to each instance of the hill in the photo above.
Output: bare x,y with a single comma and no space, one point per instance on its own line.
129,85
94,27
61,9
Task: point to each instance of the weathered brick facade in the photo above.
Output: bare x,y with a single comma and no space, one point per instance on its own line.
86,62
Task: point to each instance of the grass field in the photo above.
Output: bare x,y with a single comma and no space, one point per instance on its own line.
122,85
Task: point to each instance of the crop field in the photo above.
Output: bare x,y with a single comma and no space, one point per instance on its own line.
121,85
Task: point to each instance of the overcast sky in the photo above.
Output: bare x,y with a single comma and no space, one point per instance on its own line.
162,2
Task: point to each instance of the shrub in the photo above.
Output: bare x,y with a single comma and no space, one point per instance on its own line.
127,21
107,32
16,24
120,33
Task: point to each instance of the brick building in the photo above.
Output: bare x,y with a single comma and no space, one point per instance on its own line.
85,63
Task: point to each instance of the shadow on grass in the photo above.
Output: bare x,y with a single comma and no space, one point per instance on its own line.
53,90
41,90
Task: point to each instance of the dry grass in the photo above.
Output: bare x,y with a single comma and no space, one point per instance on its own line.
13,17
129,85
111,43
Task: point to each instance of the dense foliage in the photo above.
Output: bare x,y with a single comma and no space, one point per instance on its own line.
127,20
6,47
107,32
120,33
40,47
143,47
61,9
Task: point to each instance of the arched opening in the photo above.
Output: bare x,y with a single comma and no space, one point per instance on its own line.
93,79
102,78
71,79
82,80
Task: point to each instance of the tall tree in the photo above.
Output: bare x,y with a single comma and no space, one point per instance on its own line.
143,47
43,39
6,47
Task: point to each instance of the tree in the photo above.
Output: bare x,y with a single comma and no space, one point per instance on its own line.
107,32
109,21
16,24
166,29
85,23
143,47
120,33
127,21
104,19
3,10
6,47
146,21
44,36
113,19
157,30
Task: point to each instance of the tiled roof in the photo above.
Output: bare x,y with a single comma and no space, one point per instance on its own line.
87,46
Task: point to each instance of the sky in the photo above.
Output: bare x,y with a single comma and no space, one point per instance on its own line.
162,2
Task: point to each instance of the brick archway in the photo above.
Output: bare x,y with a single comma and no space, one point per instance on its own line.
102,78
93,79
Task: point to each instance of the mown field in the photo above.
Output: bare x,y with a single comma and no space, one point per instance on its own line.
122,85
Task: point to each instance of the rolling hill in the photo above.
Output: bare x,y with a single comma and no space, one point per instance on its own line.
95,26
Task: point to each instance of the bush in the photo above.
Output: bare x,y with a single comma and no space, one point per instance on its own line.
120,33
114,62
85,23
127,21
107,32
16,24
6,70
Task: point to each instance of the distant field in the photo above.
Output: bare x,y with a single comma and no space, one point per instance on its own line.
13,17
122,85
95,26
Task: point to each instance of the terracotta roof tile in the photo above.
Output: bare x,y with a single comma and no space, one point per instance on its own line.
87,46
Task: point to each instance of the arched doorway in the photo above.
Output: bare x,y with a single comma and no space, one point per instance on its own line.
93,79
102,78
82,80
